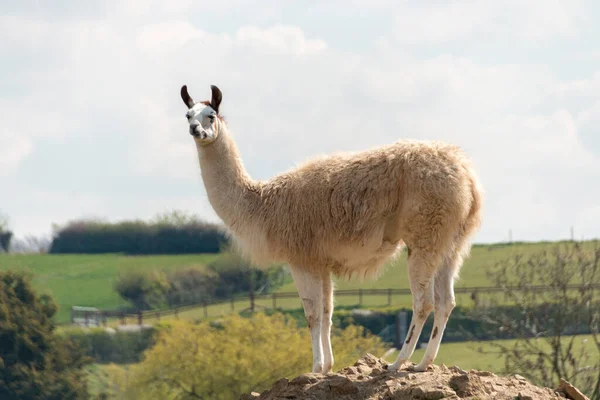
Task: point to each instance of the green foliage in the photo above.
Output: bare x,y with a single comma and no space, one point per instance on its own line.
88,280
112,347
5,238
34,363
233,356
545,319
174,233
144,289
236,275
5,234
225,276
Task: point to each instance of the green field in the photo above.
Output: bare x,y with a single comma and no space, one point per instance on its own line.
482,355
88,280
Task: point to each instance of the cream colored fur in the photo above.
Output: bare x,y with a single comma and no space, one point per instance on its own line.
347,215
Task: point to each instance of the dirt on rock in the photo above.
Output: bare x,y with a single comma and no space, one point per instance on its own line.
369,378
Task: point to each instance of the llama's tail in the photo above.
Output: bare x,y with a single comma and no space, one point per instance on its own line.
468,227
473,220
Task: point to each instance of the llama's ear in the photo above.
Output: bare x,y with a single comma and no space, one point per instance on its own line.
217,96
187,99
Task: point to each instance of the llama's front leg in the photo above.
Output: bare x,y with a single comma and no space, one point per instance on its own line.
444,304
326,327
420,274
310,289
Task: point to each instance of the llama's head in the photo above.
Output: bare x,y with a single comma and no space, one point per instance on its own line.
203,116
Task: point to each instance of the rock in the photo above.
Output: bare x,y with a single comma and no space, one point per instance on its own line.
571,391
341,385
368,379
304,379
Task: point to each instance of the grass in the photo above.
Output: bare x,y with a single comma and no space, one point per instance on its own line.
483,356
88,280
472,273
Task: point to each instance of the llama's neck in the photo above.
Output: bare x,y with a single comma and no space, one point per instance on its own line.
231,192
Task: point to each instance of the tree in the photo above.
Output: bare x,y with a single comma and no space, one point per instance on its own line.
235,356
31,244
5,234
547,322
34,362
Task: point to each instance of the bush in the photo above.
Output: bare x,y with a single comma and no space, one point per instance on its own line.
192,285
237,355
236,275
34,362
226,276
120,347
165,235
5,238
145,290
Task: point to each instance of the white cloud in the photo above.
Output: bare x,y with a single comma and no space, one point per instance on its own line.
282,39
106,100
438,23
13,149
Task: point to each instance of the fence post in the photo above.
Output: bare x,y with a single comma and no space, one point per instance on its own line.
232,303
400,328
274,300
205,309
123,318
176,312
360,297
389,297
85,318
140,319
157,316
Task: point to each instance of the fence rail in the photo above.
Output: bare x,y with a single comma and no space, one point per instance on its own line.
89,317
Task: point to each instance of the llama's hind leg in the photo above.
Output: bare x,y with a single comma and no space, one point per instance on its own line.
421,270
310,289
326,327
444,304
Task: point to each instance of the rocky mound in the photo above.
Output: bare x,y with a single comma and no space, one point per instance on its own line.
368,378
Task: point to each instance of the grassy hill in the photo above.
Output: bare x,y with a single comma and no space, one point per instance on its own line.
88,280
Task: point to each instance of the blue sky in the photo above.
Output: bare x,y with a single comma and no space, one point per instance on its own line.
93,126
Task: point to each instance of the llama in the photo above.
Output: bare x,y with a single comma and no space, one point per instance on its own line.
345,215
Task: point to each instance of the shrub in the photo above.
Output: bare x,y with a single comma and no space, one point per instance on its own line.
120,347
165,235
235,356
34,362
144,289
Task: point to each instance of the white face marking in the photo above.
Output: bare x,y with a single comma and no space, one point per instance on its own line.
202,123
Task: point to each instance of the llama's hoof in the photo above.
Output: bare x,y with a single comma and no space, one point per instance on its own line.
317,368
421,367
396,366
327,368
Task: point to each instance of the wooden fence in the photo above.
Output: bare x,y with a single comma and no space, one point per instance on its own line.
89,317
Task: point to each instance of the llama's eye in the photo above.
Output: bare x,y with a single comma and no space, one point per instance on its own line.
212,118
188,116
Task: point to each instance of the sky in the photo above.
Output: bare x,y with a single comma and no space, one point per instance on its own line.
92,124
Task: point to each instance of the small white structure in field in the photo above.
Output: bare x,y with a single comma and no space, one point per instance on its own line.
345,215
85,316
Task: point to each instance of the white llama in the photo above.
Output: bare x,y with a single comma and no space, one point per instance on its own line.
348,214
